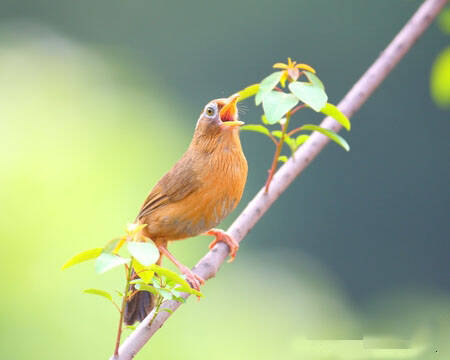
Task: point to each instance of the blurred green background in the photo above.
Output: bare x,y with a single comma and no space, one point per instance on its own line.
99,98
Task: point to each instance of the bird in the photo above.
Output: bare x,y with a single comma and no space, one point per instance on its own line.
197,193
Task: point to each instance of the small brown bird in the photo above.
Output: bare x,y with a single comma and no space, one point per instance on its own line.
202,188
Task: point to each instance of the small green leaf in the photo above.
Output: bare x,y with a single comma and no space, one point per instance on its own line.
440,79
180,299
98,292
114,245
170,275
144,272
267,85
189,290
314,80
119,293
145,252
131,327
311,94
108,261
291,143
167,310
282,158
444,20
337,115
301,139
264,119
82,256
331,134
277,133
248,92
145,287
276,104
257,128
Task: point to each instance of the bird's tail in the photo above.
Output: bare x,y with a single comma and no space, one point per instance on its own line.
139,306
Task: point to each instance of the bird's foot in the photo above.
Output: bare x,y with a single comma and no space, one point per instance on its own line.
227,239
192,278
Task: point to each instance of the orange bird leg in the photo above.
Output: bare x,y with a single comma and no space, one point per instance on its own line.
227,239
193,278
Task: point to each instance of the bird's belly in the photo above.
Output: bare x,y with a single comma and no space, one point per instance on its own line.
189,217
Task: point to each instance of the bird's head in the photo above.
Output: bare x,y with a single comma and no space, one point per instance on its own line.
218,116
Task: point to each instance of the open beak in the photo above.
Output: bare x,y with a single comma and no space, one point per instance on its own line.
229,112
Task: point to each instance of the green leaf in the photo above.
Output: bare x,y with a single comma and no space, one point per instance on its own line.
167,310
444,21
145,252
314,80
276,104
257,128
312,95
282,158
113,245
291,143
131,327
174,277
98,292
119,293
144,272
145,287
337,115
277,133
331,134
264,119
267,85
440,79
189,290
82,256
301,139
248,92
108,261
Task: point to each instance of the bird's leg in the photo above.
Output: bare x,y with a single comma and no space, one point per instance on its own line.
194,279
227,239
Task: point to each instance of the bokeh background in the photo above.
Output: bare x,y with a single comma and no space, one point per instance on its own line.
99,98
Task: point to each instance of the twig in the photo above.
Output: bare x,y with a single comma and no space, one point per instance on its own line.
360,92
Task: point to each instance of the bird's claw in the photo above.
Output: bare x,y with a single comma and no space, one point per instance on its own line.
193,279
227,239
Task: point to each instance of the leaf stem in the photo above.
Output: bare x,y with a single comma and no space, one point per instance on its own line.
273,168
122,309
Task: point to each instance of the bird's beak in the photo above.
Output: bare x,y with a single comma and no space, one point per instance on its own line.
229,112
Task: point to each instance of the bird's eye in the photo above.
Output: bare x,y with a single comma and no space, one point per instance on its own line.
210,111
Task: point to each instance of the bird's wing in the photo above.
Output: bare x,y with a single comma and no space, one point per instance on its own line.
178,183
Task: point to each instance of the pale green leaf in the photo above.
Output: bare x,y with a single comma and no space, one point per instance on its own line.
337,115
257,128
98,292
189,290
282,158
276,104
144,272
149,288
267,85
331,134
107,261
82,256
301,139
145,252
248,92
444,20
312,95
313,78
440,79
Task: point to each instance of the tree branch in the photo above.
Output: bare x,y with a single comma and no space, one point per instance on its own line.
360,92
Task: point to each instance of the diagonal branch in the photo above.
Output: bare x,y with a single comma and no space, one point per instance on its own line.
355,98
